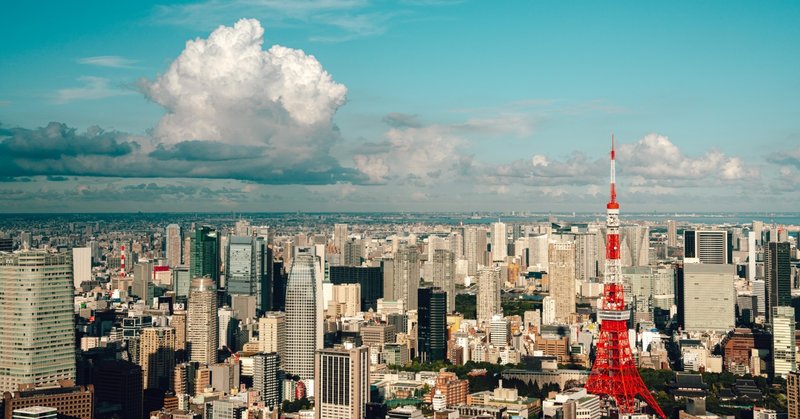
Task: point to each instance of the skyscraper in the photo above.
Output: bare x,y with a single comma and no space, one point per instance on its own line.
709,297
173,245
202,321
783,340
401,276
474,248
561,274
272,334
240,269
157,356
672,233
204,259
342,384
302,316
489,287
340,234
444,275
81,265
369,277
707,246
268,378
635,245
793,394
778,276
432,324
37,331
499,242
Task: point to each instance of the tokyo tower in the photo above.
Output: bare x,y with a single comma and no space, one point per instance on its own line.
614,373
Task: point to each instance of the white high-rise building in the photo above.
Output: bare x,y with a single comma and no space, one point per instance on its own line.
709,297
201,330
783,340
444,275
635,245
489,287
538,252
751,256
499,242
401,276
499,331
81,265
342,383
37,328
672,233
303,314
561,274
548,310
474,248
759,288
224,317
174,245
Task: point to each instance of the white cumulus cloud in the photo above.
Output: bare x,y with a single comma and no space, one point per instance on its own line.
228,89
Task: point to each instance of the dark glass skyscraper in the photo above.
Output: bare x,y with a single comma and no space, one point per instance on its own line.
205,254
370,278
778,276
432,327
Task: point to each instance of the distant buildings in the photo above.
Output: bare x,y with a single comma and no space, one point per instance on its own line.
37,330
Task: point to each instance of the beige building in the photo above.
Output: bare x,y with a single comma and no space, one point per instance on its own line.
489,287
272,334
348,297
157,356
37,329
561,274
202,321
341,382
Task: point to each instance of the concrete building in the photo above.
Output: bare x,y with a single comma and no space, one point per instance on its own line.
35,412
241,274
444,275
37,329
81,265
488,301
348,298
793,394
709,298
707,246
777,276
342,382
561,273
634,245
174,241
377,334
157,356
499,242
272,334
783,348
267,378
401,275
71,401
201,328
432,325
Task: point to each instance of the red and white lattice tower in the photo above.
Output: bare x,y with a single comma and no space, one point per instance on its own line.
122,261
614,373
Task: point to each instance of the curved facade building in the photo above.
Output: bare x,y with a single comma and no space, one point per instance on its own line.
301,314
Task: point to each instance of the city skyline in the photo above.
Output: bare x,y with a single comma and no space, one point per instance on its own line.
410,106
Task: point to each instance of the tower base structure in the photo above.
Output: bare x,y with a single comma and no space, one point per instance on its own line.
614,373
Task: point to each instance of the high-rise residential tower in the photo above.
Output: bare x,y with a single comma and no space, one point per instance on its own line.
302,314
488,301
444,275
499,242
561,273
401,276
157,356
174,245
201,327
37,330
783,341
672,233
272,334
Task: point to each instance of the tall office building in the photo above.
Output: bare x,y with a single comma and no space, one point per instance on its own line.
202,321
241,270
174,245
778,276
444,275
783,340
37,330
401,277
268,378
119,383
342,384
205,255
548,310
474,248
587,258
142,285
758,230
709,297
432,324
265,274
81,265
272,334
707,246
370,278
635,245
157,356
672,233
353,252
561,274
340,234
499,331
499,242
302,314
488,301
226,325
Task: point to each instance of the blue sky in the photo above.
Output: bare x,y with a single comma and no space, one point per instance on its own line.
415,105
